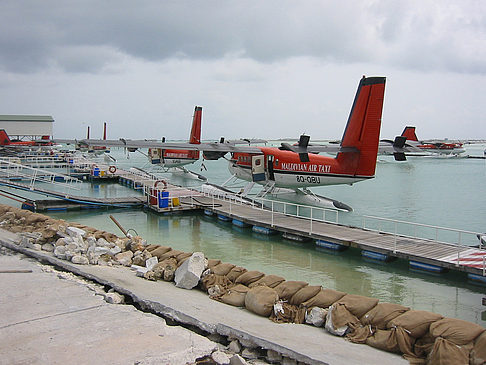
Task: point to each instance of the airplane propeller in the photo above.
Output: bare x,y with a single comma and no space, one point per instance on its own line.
300,148
398,144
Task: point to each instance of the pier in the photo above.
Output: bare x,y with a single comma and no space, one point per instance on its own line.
296,222
432,255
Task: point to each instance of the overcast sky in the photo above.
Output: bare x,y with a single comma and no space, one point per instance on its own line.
266,69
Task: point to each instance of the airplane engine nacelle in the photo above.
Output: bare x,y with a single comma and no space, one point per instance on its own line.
211,155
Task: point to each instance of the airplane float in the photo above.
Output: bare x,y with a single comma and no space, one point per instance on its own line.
295,168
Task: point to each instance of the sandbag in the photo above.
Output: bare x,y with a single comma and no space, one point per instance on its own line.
269,280
170,262
212,279
324,299
235,273
222,269
183,255
382,313
213,262
150,248
384,340
478,353
341,316
447,353
423,345
358,305
287,289
159,251
416,322
260,300
455,330
287,313
249,277
359,333
169,254
305,294
235,295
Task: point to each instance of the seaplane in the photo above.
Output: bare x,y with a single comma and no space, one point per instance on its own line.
5,141
83,147
433,147
291,169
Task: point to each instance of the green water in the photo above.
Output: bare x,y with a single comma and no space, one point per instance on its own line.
445,192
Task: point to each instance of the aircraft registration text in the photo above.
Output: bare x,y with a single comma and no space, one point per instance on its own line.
308,179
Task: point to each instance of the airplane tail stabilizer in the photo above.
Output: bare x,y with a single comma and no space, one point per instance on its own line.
409,133
4,138
195,137
362,133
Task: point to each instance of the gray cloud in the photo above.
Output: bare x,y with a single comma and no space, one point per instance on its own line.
418,35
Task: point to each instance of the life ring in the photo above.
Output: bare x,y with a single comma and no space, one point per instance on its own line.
160,181
112,169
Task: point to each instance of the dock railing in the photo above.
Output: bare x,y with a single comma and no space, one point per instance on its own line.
461,239
14,171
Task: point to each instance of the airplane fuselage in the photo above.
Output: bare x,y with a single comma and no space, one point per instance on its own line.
285,169
173,158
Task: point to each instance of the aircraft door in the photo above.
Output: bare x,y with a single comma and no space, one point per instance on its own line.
257,168
270,161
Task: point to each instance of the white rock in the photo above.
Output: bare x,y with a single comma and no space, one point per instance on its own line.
234,346
151,262
188,274
220,358
250,354
273,356
141,271
316,316
74,231
37,247
73,246
61,242
47,247
104,243
288,361
101,250
237,360
81,260
60,252
114,298
92,258
124,258
114,251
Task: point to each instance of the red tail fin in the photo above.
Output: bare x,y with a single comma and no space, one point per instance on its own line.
195,137
409,133
104,131
363,128
4,139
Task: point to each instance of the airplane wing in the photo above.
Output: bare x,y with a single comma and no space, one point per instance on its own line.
230,146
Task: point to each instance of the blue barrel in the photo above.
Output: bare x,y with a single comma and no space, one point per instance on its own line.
163,199
96,171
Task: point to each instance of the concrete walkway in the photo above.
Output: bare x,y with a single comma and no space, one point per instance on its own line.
49,320
303,343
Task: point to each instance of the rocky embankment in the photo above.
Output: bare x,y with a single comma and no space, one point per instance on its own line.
421,337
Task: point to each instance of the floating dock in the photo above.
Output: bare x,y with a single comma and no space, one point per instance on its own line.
423,253
162,197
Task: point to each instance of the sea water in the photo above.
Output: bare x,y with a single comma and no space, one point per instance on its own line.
447,192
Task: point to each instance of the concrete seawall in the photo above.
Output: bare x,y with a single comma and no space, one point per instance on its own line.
194,309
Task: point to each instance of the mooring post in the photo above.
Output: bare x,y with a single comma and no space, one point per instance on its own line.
119,225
